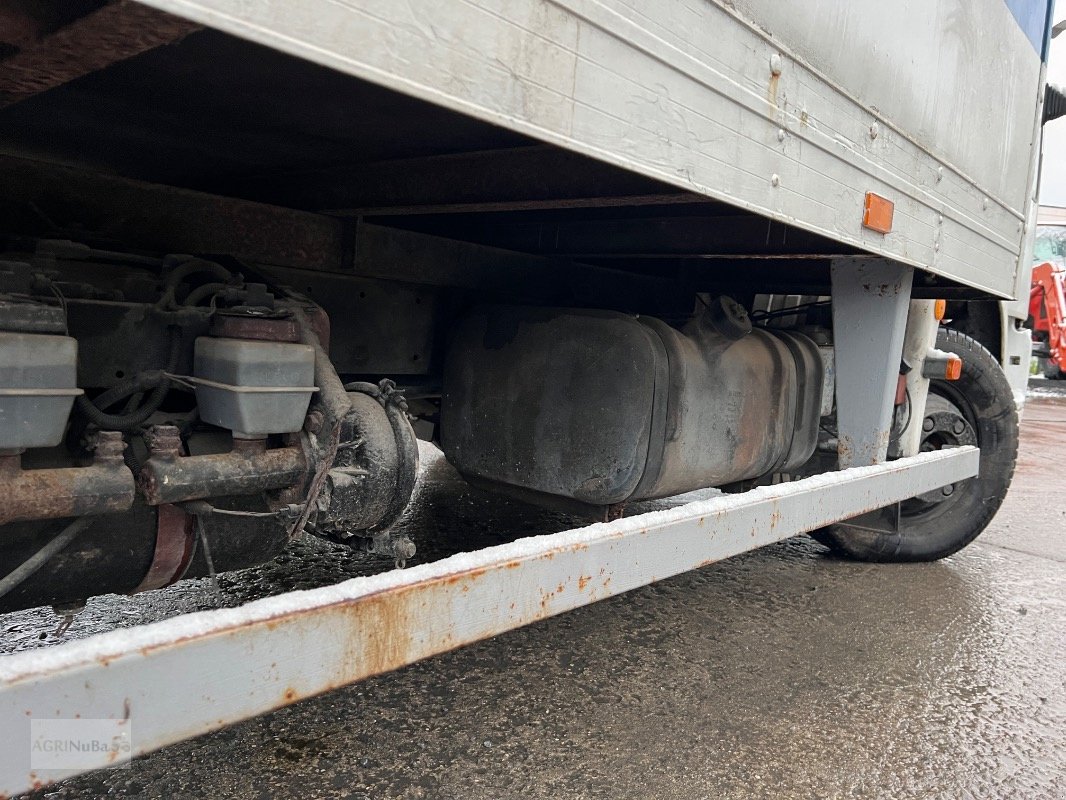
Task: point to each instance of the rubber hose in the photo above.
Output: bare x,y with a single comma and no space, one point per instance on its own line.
155,380
200,292
139,383
41,557
194,266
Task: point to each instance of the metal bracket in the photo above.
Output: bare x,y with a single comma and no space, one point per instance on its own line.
870,303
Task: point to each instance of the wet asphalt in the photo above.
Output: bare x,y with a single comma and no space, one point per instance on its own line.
783,673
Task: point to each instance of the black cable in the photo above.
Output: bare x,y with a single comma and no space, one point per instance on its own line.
157,382
199,293
41,557
784,312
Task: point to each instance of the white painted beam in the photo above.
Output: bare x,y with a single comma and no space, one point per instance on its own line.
184,677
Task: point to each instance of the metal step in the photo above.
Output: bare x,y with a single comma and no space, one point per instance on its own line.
183,677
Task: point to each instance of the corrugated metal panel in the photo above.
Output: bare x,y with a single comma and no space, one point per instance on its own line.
727,104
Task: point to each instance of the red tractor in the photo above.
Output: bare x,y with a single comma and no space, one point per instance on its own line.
1047,318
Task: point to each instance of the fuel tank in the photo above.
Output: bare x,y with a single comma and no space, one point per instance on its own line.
601,407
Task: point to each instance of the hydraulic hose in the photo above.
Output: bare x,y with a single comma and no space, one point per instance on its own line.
41,557
156,382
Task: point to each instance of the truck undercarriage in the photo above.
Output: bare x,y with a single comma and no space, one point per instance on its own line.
236,285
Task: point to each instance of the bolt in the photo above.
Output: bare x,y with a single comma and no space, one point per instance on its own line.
948,490
164,441
313,423
958,427
404,548
108,446
928,424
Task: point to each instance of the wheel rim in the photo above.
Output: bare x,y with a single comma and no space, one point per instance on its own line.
946,424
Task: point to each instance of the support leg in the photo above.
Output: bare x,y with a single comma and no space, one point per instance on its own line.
922,327
870,303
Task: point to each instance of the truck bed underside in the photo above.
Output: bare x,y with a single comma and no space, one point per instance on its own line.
191,107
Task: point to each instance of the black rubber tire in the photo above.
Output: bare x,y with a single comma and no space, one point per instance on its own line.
984,397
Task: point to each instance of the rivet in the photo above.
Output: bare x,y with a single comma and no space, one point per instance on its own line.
775,64
781,134
775,180
928,424
874,130
939,174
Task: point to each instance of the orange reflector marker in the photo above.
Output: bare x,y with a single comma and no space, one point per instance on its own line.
940,308
953,370
877,213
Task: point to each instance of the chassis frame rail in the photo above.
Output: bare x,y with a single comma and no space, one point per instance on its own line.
180,678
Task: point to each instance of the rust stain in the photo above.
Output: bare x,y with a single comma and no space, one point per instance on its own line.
382,633
771,94
290,695
583,581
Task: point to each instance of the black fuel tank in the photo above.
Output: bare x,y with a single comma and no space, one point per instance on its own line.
603,407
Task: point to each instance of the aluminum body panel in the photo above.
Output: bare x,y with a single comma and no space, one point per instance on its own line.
731,104
226,665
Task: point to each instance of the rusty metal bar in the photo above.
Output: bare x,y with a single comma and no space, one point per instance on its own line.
169,477
240,662
104,487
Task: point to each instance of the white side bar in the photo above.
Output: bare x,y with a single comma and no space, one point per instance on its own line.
183,677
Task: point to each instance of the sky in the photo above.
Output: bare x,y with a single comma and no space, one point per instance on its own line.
1053,169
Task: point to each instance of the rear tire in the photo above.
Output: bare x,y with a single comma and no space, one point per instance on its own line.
935,525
